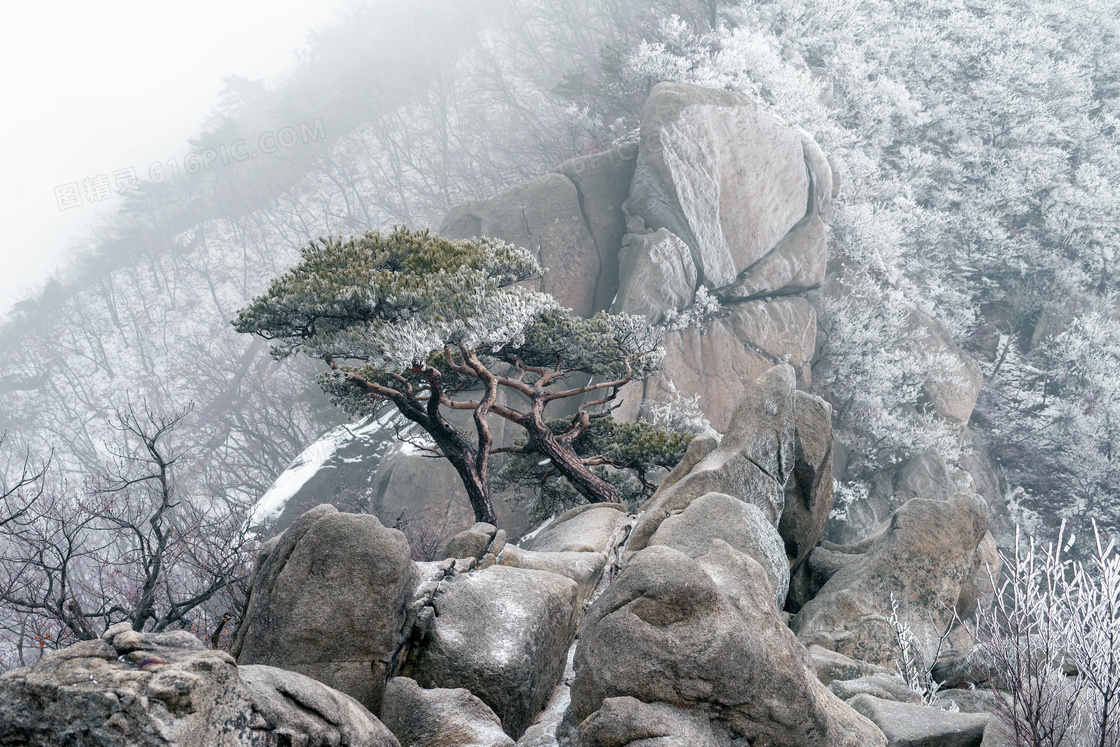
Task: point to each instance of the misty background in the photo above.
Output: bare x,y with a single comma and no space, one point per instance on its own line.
93,89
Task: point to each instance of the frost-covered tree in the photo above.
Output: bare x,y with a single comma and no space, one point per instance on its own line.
432,326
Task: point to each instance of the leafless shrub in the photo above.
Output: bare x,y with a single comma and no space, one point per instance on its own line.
126,547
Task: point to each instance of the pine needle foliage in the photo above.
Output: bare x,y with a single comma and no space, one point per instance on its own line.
623,454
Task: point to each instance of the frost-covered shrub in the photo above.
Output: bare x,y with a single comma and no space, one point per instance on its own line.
1051,643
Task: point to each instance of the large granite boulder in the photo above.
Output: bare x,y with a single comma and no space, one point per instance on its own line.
626,721
741,525
909,725
542,215
166,690
440,717
922,559
327,599
951,391
503,634
666,631
585,568
722,173
751,463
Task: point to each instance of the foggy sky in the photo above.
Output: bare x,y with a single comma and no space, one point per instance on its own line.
93,90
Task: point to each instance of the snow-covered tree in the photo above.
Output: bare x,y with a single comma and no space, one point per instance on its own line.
431,326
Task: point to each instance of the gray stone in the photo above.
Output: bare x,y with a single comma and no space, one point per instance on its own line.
742,525
585,568
921,558
908,725
160,691
665,631
698,448
831,666
752,462
328,577
795,265
544,216
951,391
502,633
628,722
440,717
306,711
656,274
721,361
582,529
721,172
602,181
881,685
473,543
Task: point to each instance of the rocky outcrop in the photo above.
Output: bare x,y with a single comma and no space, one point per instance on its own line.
585,568
953,391
503,634
602,181
721,359
808,498
922,559
434,718
656,274
166,690
666,632
752,462
328,575
909,725
625,721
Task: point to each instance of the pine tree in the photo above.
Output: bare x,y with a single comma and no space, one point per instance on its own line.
430,326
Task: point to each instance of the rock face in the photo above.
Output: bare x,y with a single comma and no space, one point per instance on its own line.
542,215
602,182
923,557
721,360
666,632
656,273
629,721
502,633
922,475
585,568
751,464
166,689
326,577
909,725
952,395
720,172
438,718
